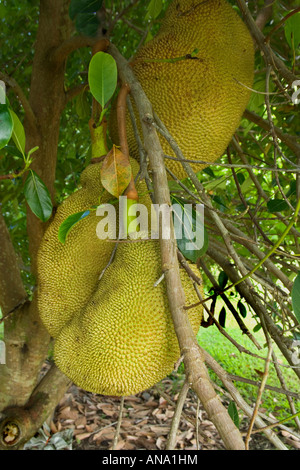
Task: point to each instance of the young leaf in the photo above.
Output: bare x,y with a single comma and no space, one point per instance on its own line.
296,297
102,77
233,413
115,172
69,223
37,196
18,133
6,125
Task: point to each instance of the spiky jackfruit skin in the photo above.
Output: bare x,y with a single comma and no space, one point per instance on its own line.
68,273
124,341
200,99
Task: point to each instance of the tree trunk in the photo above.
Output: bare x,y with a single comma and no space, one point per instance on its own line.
26,339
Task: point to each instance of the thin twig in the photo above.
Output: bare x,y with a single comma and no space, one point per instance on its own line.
171,442
117,434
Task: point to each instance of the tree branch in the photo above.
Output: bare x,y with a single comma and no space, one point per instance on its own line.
196,372
26,420
269,56
265,14
15,87
289,140
12,291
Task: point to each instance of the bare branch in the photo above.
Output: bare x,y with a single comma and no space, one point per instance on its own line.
196,372
269,56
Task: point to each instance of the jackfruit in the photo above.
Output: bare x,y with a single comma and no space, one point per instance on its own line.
68,273
124,341
202,93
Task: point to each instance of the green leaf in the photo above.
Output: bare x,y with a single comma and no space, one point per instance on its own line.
296,297
87,24
277,205
222,317
84,6
18,133
257,328
154,9
102,77
233,413
37,196
292,30
69,223
222,279
186,223
242,309
6,125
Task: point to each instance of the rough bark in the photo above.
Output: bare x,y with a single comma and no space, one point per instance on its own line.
26,339
47,100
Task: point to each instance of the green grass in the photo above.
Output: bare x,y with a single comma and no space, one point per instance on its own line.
234,362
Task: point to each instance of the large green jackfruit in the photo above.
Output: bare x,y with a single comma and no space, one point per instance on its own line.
124,341
68,273
202,93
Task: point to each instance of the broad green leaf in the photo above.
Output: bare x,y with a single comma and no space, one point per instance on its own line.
87,24
277,205
37,196
69,223
222,317
6,125
154,9
102,77
296,297
18,134
233,413
84,6
223,279
292,30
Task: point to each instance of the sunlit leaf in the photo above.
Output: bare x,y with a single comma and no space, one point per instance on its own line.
37,196
102,77
18,134
233,413
69,223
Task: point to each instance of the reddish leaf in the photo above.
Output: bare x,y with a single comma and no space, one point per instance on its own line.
115,172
